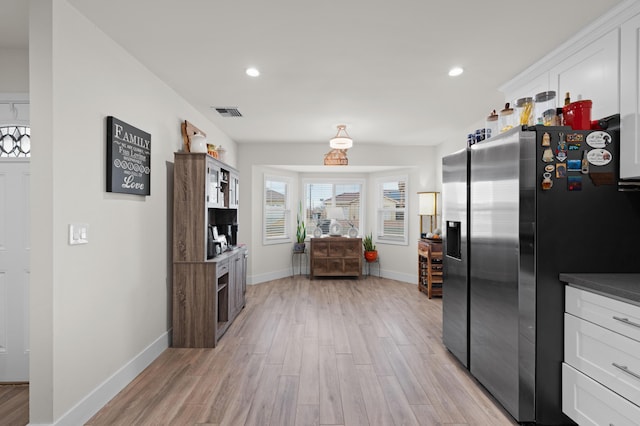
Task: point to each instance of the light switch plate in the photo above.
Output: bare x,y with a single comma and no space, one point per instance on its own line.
78,233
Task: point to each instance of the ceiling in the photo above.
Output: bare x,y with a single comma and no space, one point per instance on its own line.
380,67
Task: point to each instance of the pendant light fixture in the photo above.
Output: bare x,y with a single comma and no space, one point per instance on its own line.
341,140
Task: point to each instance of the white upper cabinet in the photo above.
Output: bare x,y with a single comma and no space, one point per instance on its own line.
630,99
529,89
591,72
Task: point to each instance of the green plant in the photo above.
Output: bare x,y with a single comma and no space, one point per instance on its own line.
367,243
301,230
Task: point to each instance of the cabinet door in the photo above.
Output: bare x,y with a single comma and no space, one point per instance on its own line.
244,275
232,286
630,99
593,73
238,283
530,89
214,198
234,186
194,305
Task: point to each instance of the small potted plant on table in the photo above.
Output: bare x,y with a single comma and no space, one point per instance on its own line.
301,233
370,252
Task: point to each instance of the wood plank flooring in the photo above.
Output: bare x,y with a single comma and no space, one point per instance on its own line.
14,405
321,352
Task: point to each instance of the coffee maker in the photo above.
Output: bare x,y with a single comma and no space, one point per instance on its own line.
232,234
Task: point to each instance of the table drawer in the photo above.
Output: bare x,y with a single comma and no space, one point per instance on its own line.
222,268
610,358
319,248
621,317
587,402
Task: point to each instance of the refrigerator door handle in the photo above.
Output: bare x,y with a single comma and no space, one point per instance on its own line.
626,321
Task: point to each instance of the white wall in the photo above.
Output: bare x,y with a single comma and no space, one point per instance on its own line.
450,146
14,75
94,307
268,262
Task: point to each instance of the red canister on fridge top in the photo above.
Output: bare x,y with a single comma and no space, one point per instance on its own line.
577,115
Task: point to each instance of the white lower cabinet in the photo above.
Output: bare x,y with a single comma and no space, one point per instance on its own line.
587,402
609,358
601,372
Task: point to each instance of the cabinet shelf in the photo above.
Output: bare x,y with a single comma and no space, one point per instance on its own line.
430,278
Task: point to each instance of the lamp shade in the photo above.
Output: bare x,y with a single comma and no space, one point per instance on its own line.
427,203
341,140
335,213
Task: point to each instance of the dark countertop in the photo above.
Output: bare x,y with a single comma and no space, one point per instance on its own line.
624,287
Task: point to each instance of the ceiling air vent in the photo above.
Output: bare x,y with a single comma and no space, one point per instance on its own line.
228,111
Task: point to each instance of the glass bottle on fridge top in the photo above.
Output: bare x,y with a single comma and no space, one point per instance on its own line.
491,125
524,108
506,119
545,108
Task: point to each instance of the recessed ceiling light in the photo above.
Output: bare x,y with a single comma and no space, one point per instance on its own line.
455,71
252,72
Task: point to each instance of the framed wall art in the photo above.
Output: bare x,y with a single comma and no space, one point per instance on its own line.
128,158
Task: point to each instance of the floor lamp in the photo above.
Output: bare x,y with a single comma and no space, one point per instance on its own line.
428,206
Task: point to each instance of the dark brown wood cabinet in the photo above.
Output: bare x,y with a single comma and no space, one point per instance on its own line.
207,293
336,256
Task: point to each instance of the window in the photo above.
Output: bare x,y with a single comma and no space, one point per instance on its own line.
15,141
392,226
342,200
277,211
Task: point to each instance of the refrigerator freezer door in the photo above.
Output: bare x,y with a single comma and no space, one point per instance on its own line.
502,296
455,308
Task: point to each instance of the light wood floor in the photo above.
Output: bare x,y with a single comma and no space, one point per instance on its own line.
14,405
322,352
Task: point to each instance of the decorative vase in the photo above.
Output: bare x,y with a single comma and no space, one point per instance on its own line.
197,143
299,247
371,256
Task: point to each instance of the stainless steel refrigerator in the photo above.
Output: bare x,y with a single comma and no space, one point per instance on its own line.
455,211
541,201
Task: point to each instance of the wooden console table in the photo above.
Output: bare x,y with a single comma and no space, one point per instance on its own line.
336,257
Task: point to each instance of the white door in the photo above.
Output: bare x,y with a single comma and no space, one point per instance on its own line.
14,269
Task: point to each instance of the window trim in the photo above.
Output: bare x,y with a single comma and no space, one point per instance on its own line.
380,210
288,237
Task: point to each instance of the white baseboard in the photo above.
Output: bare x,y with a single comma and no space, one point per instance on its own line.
98,398
400,276
393,275
270,276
